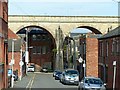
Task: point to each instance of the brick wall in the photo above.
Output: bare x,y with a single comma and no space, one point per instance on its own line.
108,62
92,57
3,44
16,65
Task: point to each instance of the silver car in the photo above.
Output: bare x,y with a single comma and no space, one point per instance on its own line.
70,76
31,69
91,83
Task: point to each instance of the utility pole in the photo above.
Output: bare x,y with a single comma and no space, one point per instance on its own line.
114,74
26,54
12,62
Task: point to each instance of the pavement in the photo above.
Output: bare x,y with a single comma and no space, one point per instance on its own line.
23,83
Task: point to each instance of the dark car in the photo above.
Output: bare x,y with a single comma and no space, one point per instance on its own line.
58,75
44,69
55,71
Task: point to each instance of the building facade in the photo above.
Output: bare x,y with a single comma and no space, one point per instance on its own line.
40,44
19,48
109,56
89,53
3,42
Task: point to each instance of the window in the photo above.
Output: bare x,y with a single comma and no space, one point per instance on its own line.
38,37
43,37
34,37
38,50
44,50
34,50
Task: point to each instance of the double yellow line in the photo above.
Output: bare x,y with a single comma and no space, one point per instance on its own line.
30,83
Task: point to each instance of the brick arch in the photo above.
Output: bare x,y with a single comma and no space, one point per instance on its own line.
96,31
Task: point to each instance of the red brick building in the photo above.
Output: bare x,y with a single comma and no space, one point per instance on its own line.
109,51
18,45
42,44
3,42
89,52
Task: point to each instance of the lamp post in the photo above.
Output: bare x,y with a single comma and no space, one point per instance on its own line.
26,53
21,64
114,74
12,62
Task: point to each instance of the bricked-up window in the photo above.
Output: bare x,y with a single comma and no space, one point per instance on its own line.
113,43
107,47
102,49
44,50
118,45
114,46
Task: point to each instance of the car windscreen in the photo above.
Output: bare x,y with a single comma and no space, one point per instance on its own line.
58,72
71,72
30,67
93,81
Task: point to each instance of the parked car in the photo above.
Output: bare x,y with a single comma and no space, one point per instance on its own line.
44,69
91,83
31,69
70,76
58,75
55,71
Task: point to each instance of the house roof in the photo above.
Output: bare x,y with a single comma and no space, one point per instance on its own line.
114,32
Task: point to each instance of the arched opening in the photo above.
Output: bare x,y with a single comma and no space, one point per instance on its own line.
94,30
81,48
40,45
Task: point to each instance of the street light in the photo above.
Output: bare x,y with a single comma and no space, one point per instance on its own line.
26,53
21,64
114,75
12,62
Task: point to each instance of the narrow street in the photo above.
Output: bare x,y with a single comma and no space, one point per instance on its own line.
41,80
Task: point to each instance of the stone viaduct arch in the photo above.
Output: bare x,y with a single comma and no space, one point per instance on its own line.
97,24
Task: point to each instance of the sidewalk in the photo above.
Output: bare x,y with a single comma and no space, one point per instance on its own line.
24,82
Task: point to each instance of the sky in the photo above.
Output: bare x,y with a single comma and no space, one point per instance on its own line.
63,7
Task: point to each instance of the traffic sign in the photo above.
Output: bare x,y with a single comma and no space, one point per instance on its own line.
21,63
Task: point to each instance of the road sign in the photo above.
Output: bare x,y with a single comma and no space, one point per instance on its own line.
21,63
80,60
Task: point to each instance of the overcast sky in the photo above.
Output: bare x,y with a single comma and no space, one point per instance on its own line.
64,7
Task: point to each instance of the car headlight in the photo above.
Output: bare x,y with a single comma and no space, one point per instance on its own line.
66,78
103,87
76,78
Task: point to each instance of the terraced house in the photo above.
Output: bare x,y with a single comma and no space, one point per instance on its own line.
3,42
109,58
